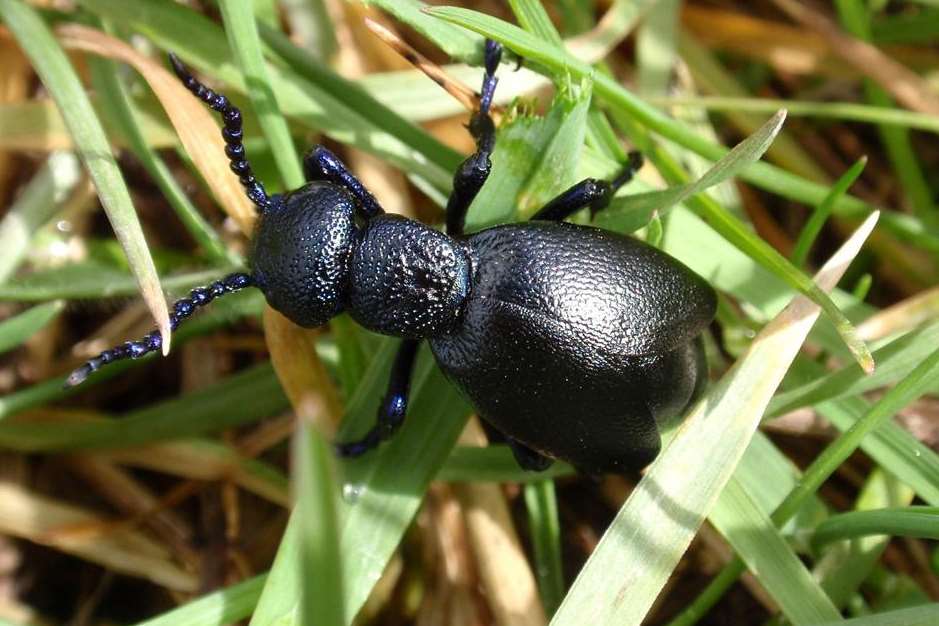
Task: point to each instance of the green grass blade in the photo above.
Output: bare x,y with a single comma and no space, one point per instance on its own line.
41,198
652,530
925,615
494,463
319,105
241,399
911,521
243,39
813,226
634,211
542,506
317,560
756,540
20,327
215,609
60,79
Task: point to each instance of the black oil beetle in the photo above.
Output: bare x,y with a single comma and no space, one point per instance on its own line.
572,341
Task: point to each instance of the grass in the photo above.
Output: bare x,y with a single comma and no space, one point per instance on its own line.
182,465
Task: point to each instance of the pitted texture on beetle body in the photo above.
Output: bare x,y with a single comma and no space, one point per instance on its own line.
302,251
576,341
408,280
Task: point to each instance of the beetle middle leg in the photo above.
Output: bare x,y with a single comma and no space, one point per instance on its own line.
473,172
527,458
393,406
590,192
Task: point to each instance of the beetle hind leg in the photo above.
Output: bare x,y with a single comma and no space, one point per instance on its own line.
393,406
527,458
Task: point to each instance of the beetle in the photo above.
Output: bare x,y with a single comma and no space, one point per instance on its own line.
573,341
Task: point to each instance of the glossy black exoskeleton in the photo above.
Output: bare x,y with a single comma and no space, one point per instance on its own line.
573,341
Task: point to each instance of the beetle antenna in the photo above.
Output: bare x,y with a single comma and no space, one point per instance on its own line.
233,133
153,341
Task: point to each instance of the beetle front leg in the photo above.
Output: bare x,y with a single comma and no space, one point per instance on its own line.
590,192
393,406
321,164
474,171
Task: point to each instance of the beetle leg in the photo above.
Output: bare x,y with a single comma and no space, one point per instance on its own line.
232,133
527,458
393,406
590,192
321,164
473,172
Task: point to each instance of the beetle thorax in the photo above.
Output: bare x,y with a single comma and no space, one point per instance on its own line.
407,279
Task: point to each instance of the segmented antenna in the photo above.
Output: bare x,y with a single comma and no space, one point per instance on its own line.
153,341
233,133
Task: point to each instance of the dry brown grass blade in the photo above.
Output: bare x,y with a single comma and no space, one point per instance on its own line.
503,569
188,460
301,374
198,132
902,316
41,520
14,85
905,85
789,49
460,92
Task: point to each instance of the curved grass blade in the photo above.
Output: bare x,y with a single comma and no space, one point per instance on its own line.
20,327
634,211
630,566
60,79
909,521
926,615
800,251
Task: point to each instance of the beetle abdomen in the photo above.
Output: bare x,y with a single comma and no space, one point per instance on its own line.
576,340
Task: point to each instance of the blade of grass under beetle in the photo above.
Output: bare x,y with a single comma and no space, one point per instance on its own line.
315,555
639,551
383,489
20,327
634,211
910,521
193,122
243,39
92,145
